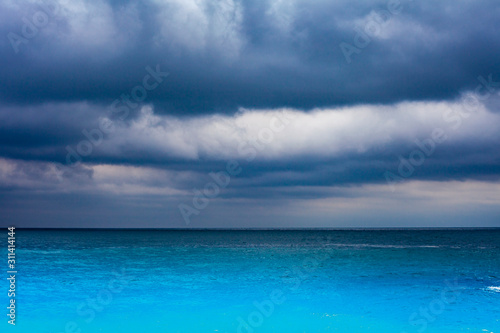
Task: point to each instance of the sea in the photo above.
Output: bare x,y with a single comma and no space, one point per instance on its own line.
251,281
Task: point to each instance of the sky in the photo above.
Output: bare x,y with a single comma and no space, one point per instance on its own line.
249,114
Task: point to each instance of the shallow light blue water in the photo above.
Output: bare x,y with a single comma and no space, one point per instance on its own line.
255,281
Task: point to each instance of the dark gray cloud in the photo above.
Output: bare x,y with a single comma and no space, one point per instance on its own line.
329,147
253,54
362,81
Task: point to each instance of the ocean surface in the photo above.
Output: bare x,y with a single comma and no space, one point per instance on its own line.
255,281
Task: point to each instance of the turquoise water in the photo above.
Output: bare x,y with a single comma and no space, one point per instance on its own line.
255,281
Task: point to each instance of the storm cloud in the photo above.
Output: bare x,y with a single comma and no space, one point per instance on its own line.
122,110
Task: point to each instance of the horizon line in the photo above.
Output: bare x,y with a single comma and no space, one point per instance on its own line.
266,229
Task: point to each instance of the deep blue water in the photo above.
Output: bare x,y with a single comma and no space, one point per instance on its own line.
255,281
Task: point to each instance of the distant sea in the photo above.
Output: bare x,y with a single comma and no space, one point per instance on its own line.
255,281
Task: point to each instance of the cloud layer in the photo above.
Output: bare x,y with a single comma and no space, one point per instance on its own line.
119,111
228,54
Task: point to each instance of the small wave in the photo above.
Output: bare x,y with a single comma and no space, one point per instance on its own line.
40,251
383,246
496,289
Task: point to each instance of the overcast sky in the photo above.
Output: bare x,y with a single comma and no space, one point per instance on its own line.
192,113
